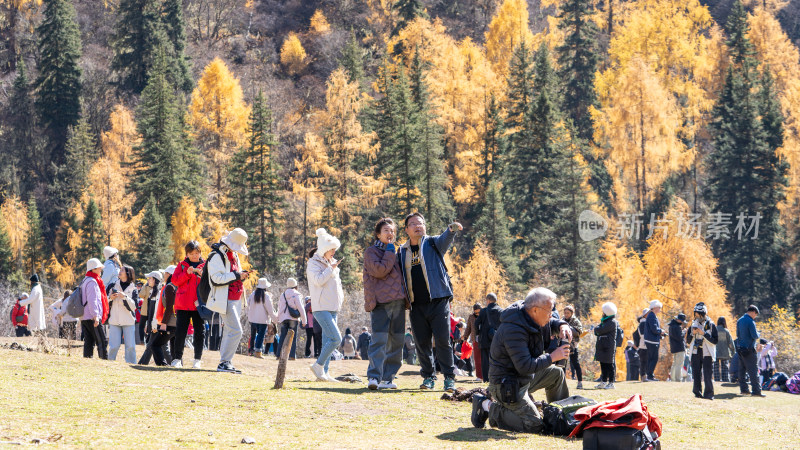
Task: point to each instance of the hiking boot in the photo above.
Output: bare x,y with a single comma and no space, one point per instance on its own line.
387,385
259,355
450,385
226,366
372,384
197,364
318,371
427,384
580,385
178,364
609,386
602,385
479,415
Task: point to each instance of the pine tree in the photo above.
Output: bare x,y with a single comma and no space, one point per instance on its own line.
407,11
26,164
34,242
520,93
59,82
72,179
6,254
492,230
352,59
154,250
180,64
747,177
92,235
256,200
166,167
495,144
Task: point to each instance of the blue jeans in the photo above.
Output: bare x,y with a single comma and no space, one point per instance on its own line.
116,333
261,329
388,337
331,337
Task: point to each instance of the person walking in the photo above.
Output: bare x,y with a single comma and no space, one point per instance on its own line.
363,343
577,328
471,335
186,279
385,300
290,311
652,338
676,346
259,310
311,338
112,266
19,316
487,324
702,339
95,310
149,295
349,344
122,301
227,290
35,300
165,321
746,338
725,351
606,346
325,286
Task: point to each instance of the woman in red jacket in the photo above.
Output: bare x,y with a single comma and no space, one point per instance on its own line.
186,277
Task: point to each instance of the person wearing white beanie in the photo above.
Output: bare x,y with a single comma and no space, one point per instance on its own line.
608,335
652,338
325,287
112,266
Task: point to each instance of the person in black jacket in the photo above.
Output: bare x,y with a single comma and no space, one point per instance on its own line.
520,365
606,347
632,358
676,346
703,343
486,325
638,342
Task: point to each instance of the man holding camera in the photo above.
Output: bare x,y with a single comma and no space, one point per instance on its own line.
520,366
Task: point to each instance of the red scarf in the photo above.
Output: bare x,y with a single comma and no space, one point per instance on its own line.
103,295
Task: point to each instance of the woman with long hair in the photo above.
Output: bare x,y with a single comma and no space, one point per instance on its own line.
258,314
122,300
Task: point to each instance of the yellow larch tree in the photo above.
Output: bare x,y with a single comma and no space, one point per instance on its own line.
478,276
293,55
319,23
507,30
14,213
218,116
185,227
306,185
770,6
118,142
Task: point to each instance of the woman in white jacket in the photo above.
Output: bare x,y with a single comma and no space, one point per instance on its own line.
325,287
122,315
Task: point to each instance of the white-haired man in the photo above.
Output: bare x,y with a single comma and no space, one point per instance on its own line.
521,366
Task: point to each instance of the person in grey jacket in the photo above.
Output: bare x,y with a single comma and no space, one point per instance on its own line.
725,351
429,291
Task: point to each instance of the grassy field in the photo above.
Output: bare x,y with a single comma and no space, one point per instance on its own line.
91,403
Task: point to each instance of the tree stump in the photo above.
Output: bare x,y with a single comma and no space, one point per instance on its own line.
286,348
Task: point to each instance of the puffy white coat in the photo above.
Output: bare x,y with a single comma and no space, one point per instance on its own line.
119,314
220,276
36,316
324,285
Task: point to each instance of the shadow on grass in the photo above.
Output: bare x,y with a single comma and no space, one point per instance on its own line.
168,369
476,435
726,396
356,389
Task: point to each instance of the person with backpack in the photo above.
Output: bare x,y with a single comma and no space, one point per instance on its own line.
605,349
165,320
486,326
290,309
676,345
577,329
325,286
702,339
19,316
725,351
122,299
186,278
67,325
385,301
225,296
112,266
95,310
349,345
259,310
35,300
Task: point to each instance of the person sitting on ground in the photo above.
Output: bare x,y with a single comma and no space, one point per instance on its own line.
520,365
19,316
606,347
766,358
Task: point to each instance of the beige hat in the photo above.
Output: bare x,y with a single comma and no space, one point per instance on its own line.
655,304
93,263
263,283
291,283
326,242
109,252
236,240
171,269
155,274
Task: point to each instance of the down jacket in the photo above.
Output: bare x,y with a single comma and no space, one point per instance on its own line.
187,285
518,347
606,347
383,280
324,285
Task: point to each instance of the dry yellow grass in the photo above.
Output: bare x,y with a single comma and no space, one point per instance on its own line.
93,403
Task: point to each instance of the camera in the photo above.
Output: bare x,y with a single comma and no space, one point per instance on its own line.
563,363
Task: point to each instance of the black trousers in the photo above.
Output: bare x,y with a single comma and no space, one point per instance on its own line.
160,340
702,372
22,331
431,321
312,338
142,328
94,336
642,363
652,358
575,365
633,371
748,366
485,364
182,328
317,339
216,337
287,325
607,372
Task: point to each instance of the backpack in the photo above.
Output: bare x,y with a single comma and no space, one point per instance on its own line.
620,336
559,417
75,305
793,385
778,380
204,286
294,313
619,438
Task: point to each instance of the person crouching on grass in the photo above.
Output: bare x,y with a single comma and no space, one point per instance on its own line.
385,300
520,365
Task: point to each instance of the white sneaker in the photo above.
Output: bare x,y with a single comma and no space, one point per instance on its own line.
328,377
387,385
197,364
602,385
610,386
372,384
319,372
177,363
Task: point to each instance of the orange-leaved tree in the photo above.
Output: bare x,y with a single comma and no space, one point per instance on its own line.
293,55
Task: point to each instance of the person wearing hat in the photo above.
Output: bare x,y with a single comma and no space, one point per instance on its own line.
652,338
19,316
95,310
35,300
676,346
325,286
112,266
226,279
471,335
746,338
702,339
186,278
290,309
606,347
259,310
577,329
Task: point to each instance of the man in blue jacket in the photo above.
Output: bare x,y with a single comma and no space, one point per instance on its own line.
652,338
429,290
746,338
